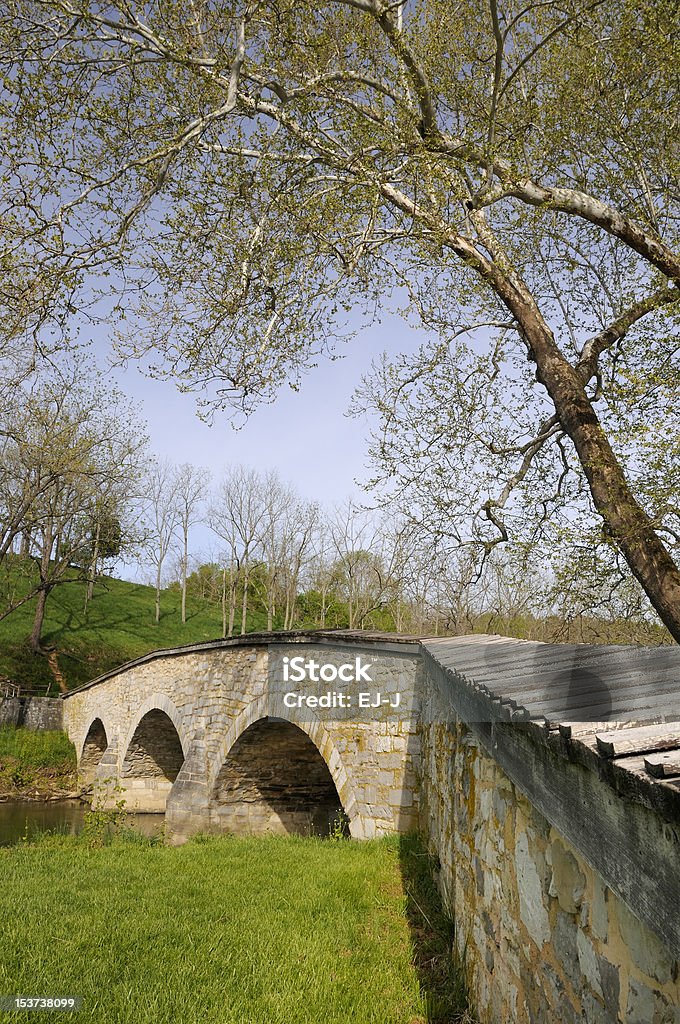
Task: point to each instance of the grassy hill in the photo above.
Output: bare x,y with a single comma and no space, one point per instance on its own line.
119,625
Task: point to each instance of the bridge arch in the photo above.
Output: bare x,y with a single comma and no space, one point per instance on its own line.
158,702
153,754
262,760
92,749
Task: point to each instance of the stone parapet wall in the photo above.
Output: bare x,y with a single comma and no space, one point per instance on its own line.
544,935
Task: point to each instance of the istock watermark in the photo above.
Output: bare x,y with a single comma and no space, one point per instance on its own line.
297,670
316,686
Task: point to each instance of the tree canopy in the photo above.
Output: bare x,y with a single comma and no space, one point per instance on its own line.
238,176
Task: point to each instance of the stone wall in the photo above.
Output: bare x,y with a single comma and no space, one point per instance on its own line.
544,936
10,708
35,713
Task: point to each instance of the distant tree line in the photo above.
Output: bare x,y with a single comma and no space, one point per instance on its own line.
79,491
286,562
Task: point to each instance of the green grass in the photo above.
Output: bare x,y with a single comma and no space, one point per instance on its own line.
432,934
118,627
228,930
50,749
36,760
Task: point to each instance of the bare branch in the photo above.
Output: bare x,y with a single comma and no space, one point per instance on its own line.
595,346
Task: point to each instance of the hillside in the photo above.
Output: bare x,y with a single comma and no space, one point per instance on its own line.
119,626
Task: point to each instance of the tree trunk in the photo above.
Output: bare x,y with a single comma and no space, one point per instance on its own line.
38,620
184,576
224,601
626,520
93,568
232,601
45,587
291,600
158,594
244,603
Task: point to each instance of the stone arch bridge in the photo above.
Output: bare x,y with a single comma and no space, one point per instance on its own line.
203,733
545,777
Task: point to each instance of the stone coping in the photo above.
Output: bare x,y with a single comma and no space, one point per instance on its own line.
338,637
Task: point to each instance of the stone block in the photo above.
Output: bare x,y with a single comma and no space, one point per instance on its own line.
568,881
646,949
588,963
533,912
609,977
564,942
641,1004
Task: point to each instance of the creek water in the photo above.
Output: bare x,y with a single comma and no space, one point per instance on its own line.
25,818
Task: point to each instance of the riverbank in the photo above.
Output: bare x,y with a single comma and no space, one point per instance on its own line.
36,765
274,930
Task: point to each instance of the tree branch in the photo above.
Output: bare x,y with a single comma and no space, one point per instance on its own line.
586,366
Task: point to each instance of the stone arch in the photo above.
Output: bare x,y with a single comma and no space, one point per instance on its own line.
92,750
307,745
153,755
158,702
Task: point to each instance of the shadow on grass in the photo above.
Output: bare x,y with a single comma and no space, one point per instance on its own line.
440,971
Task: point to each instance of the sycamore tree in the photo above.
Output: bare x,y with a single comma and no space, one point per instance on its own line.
230,178
191,487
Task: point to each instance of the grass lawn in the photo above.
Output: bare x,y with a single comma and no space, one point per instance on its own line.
227,930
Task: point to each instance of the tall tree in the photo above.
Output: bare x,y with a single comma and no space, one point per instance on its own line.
277,498
365,562
298,538
191,486
162,516
321,567
106,536
71,447
237,517
258,166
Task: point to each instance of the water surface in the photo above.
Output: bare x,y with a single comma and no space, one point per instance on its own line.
25,818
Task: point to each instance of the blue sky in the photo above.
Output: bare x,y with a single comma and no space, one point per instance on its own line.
305,435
